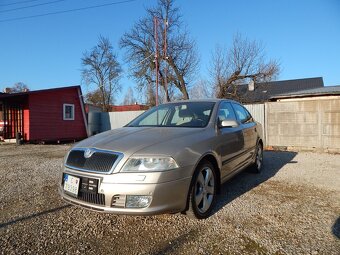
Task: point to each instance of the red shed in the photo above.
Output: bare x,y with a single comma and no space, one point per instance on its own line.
43,115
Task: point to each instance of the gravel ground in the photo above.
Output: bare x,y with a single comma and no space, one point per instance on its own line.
293,207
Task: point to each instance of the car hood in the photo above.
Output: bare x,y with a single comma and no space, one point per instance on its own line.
129,140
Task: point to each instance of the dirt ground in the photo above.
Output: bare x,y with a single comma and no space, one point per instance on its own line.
293,207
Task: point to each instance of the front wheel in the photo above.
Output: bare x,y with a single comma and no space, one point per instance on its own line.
202,192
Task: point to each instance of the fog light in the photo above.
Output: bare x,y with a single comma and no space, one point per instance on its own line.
137,201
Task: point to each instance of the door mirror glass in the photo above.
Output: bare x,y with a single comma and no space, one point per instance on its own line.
228,123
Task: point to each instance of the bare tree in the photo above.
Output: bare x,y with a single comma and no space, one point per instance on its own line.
129,98
243,62
102,69
95,97
181,60
201,89
18,87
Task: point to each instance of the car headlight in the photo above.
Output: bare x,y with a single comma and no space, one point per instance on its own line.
144,164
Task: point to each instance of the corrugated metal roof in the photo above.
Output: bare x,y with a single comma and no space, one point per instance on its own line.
328,90
264,91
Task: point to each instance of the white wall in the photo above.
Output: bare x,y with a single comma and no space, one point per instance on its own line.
258,113
112,120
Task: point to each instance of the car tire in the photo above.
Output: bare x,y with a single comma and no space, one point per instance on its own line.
258,161
202,193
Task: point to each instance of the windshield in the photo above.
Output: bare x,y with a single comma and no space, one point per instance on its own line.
186,114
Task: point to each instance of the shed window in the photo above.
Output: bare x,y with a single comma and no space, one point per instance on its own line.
68,112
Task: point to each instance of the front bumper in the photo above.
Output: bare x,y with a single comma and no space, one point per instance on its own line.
168,190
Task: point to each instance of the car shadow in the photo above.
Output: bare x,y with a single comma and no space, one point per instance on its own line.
336,228
246,180
28,217
175,244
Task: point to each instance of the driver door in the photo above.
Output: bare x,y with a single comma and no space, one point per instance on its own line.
230,140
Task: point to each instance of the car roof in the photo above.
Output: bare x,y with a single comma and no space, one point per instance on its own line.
213,100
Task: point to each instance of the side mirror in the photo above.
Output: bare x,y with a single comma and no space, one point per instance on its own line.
228,123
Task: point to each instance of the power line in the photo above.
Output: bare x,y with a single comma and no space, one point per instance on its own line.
21,2
66,11
31,6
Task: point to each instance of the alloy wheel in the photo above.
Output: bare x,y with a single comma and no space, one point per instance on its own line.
259,158
204,189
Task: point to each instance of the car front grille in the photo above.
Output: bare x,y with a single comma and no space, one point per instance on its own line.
96,160
88,190
98,199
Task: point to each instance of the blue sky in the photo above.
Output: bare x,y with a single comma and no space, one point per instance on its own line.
46,52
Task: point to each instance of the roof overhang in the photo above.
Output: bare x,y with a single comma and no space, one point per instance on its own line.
13,97
304,95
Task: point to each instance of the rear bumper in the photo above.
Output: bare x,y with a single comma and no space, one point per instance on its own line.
167,197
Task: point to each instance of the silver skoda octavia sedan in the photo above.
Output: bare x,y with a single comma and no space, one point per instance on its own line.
172,158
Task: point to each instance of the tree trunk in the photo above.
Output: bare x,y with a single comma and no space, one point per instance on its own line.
184,92
181,83
167,97
103,98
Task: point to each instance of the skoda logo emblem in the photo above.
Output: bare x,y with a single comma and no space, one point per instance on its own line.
88,153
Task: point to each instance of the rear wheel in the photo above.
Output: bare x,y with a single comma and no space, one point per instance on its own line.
257,166
202,192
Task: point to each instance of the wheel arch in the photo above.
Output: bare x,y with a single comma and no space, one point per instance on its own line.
213,159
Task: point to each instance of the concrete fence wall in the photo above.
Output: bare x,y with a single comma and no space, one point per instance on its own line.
306,124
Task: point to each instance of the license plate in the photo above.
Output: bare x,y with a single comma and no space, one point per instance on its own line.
71,184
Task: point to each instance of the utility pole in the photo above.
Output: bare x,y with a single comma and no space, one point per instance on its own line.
165,59
155,20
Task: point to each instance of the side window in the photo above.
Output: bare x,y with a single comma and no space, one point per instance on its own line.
226,112
242,114
68,111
